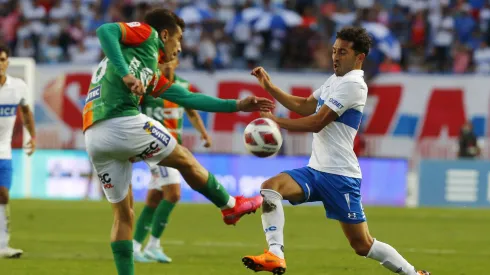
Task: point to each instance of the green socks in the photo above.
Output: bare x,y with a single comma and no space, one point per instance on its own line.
215,192
143,224
160,218
123,257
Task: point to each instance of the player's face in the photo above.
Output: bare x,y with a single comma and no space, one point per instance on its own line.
343,56
172,45
4,63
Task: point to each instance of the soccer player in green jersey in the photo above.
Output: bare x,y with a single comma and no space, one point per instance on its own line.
117,134
164,187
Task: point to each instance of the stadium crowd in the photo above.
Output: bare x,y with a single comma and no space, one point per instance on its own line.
421,36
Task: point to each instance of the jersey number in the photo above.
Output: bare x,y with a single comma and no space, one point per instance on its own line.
100,71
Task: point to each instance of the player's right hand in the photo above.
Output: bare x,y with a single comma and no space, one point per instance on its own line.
134,84
253,104
263,77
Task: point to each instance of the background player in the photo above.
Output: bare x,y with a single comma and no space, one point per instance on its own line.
164,188
333,176
12,95
117,134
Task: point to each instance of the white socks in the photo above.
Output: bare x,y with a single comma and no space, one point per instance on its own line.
4,226
136,246
390,258
153,242
273,221
230,204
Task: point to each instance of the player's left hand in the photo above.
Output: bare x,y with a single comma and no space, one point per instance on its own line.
31,147
268,115
207,141
253,103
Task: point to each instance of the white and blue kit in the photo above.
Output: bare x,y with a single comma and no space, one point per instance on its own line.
333,175
12,94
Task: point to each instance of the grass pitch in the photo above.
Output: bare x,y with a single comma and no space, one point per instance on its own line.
62,237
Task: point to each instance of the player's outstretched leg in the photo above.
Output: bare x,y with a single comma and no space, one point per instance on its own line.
274,191
364,245
143,224
171,195
204,182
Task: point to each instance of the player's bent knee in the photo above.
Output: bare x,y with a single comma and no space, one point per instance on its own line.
271,184
152,203
153,198
173,197
124,214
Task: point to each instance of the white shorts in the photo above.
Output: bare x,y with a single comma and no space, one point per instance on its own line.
162,176
114,144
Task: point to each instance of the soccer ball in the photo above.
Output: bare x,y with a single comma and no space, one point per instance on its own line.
262,137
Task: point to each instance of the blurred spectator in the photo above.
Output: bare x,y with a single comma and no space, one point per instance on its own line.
25,48
481,58
464,23
60,10
437,36
52,52
253,51
79,54
207,52
388,66
468,145
309,18
462,59
444,36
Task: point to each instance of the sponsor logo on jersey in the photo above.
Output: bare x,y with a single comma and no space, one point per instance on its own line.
157,133
8,110
93,94
336,103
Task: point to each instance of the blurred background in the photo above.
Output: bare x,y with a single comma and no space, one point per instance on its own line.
424,135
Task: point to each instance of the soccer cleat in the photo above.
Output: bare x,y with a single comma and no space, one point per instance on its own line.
265,262
423,272
139,257
157,254
10,253
242,206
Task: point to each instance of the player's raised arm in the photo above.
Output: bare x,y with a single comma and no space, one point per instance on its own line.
111,35
304,106
187,99
198,124
343,98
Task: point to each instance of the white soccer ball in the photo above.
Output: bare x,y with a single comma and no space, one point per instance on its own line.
262,137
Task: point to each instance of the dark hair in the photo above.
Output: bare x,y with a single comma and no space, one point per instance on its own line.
361,41
5,48
163,19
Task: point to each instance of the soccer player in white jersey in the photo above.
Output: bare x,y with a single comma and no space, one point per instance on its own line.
12,95
333,176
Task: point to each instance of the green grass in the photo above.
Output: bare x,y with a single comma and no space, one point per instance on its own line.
73,238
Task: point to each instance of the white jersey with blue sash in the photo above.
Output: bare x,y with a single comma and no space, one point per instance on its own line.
333,146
